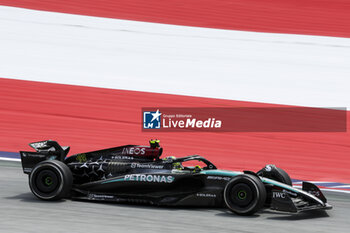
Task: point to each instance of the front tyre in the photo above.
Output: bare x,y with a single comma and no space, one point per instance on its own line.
275,173
245,194
51,180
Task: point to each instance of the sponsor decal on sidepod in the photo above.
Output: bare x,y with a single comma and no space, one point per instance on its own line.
147,166
133,151
149,178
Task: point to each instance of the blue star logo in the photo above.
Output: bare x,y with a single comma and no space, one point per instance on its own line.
151,120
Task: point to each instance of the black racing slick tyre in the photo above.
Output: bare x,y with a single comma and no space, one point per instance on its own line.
285,178
51,180
275,173
245,194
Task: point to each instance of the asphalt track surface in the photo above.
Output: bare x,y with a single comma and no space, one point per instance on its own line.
22,212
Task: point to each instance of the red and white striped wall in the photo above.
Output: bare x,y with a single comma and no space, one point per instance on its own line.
79,72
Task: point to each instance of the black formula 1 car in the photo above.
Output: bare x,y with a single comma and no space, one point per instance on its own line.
136,174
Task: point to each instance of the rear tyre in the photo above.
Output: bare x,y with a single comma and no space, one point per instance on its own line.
245,194
51,180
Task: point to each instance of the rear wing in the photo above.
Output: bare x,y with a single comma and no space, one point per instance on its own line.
45,150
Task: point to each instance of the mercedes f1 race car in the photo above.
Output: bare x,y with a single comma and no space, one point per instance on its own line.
137,174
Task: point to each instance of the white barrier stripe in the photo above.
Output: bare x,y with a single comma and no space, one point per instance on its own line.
335,190
341,186
10,159
323,182
250,66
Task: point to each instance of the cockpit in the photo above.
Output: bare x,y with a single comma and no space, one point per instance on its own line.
193,163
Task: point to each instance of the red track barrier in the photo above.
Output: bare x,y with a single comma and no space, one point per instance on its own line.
314,17
88,118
